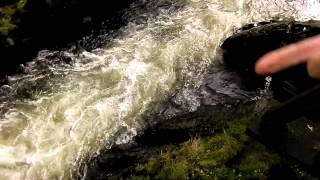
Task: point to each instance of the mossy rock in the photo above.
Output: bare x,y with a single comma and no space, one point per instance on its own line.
225,155
202,153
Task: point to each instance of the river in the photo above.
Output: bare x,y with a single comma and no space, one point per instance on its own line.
67,105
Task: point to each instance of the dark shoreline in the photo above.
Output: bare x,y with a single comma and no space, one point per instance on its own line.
58,27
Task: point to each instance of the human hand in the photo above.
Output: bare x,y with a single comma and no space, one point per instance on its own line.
306,51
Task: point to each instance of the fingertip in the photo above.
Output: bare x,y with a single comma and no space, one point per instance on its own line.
313,68
266,64
262,68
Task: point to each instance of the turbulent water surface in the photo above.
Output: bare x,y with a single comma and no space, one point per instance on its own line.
66,106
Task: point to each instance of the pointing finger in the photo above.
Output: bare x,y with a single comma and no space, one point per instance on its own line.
288,56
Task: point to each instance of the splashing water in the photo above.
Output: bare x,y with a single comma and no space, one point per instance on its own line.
57,114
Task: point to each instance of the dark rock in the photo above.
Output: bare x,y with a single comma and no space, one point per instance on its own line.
247,45
289,127
281,172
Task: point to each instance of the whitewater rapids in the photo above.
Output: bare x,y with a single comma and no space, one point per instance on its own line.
57,114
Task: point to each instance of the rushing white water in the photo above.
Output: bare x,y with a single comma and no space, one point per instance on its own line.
58,114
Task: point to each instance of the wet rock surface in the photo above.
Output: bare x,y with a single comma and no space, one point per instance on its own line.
246,46
290,127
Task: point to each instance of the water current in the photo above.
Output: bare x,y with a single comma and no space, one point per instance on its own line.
66,105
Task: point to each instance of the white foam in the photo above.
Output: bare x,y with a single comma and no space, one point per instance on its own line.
110,89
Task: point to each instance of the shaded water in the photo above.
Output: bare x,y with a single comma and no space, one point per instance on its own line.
66,106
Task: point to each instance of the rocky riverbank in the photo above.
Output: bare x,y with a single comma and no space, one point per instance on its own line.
211,142
197,133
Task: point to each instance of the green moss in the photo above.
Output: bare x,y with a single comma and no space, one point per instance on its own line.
20,5
207,157
237,130
8,20
196,159
229,154
6,23
218,150
255,162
